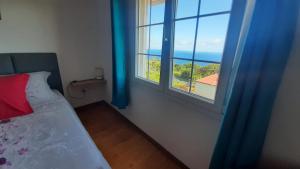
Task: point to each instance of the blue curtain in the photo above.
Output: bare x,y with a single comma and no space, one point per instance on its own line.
249,107
120,85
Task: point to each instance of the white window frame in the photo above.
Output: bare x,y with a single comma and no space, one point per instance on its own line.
230,48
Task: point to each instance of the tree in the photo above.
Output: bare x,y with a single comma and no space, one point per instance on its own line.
182,72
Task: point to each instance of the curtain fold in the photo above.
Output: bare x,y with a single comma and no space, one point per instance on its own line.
261,66
120,85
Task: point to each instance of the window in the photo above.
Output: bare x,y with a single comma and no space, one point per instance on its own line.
195,38
199,38
150,36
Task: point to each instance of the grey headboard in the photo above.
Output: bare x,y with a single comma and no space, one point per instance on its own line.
11,63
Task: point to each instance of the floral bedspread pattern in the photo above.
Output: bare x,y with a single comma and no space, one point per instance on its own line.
50,138
11,141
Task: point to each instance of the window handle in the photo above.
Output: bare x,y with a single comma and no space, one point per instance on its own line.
166,39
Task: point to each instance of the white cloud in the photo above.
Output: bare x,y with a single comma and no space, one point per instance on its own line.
211,45
183,45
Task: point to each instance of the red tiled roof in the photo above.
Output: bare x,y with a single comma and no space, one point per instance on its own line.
210,80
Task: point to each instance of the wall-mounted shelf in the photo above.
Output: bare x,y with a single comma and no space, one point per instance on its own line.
79,89
86,82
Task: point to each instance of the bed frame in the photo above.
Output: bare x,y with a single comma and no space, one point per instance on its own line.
11,63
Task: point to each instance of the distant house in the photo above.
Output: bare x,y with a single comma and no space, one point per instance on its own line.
207,86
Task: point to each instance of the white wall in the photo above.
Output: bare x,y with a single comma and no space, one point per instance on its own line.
282,146
206,90
83,40
28,26
71,28
187,132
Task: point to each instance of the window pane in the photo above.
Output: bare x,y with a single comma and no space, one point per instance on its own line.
208,56
157,11
154,68
142,66
212,6
186,8
184,38
144,12
205,79
156,37
182,70
211,37
143,40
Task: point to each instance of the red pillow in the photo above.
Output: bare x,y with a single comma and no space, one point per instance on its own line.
13,101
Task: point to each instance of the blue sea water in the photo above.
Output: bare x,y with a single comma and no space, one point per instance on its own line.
205,56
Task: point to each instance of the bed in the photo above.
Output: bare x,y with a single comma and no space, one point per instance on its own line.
52,137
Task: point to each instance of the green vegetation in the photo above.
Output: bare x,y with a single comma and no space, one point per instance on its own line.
154,68
182,73
203,71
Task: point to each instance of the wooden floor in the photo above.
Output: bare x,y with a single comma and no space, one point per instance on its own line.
123,145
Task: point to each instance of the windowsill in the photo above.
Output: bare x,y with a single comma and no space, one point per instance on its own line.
148,84
191,102
194,101
192,96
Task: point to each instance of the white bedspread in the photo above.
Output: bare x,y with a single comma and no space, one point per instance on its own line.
50,138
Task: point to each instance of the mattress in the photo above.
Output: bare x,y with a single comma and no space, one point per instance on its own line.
50,138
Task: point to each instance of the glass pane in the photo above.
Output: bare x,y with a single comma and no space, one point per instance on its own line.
205,79
184,38
144,12
186,8
211,37
156,37
213,6
143,40
142,66
208,56
154,68
157,11
182,70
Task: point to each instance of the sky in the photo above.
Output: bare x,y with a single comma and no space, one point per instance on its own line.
211,30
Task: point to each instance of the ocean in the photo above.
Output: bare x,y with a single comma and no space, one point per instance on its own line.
206,56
